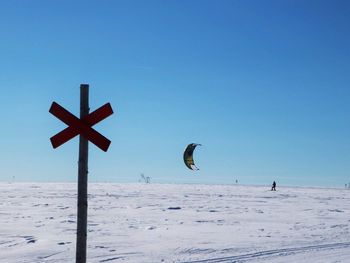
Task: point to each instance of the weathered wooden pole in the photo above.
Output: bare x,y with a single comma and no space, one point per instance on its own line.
82,181
83,127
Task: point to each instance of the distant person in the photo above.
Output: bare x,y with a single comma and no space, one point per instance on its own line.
273,188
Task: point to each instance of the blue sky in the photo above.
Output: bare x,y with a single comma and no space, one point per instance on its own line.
263,85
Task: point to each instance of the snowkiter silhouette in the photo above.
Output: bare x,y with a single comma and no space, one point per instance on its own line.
273,186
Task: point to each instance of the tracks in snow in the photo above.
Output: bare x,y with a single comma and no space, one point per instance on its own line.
273,252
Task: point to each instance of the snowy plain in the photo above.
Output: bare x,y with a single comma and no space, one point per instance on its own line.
147,223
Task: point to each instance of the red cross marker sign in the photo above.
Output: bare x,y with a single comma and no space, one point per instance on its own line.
81,126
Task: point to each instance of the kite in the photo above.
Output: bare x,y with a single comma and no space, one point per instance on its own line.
188,156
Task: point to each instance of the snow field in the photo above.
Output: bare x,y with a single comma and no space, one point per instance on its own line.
175,223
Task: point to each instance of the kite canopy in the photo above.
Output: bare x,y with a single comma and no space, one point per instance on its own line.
188,156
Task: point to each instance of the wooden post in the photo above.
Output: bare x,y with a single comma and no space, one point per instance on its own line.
82,181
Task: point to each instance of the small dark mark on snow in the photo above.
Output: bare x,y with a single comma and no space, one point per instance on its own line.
100,247
44,257
336,210
29,239
174,208
110,259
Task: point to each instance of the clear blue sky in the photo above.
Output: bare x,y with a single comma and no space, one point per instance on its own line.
263,85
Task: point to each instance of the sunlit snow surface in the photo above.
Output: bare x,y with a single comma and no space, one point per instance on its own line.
175,223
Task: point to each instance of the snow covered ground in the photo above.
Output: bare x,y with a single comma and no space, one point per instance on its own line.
175,223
